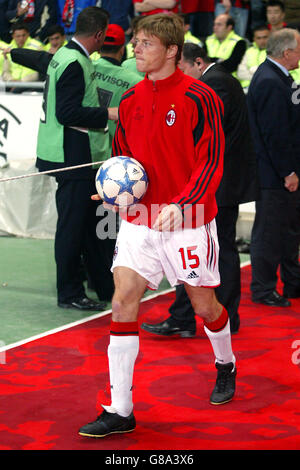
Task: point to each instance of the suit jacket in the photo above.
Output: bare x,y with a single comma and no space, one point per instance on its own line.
275,124
35,60
70,89
239,183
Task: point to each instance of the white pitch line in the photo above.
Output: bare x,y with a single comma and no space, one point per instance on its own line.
75,323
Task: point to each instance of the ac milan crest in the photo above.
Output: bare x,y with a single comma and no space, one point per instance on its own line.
171,117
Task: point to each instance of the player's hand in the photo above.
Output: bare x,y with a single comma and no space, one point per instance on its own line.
169,219
113,114
111,207
291,182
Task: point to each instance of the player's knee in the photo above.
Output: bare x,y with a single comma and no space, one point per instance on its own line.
204,313
123,308
118,309
209,311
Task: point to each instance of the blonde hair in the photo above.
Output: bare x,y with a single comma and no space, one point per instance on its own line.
168,28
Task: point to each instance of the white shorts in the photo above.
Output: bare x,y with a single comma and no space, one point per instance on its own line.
189,255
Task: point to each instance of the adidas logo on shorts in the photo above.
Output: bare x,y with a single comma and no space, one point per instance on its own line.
192,275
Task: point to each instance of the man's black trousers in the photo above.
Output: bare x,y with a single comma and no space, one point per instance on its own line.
275,242
77,245
229,292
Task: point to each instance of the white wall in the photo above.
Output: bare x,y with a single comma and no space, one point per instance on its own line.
27,206
19,120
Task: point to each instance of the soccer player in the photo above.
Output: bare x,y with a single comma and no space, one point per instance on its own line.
172,124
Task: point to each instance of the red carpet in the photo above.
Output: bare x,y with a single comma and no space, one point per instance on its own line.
49,387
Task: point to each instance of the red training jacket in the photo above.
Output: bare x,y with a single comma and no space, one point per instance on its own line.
173,127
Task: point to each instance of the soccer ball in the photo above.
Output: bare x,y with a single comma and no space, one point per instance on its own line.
121,181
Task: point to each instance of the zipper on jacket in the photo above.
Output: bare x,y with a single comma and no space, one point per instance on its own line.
154,98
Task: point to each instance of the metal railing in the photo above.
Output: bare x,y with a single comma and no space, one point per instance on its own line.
6,86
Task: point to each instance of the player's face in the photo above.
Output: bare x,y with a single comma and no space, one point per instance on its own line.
151,54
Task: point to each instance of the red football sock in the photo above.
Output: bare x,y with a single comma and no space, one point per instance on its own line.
219,323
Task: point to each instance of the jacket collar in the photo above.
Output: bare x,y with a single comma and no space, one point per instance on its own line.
75,44
172,79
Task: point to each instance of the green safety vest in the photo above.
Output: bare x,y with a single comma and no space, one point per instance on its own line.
51,132
129,50
188,37
130,64
222,49
112,81
255,57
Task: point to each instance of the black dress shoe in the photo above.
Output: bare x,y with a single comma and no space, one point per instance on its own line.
291,293
166,328
84,303
273,300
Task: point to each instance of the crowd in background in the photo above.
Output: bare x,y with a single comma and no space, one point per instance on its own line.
234,32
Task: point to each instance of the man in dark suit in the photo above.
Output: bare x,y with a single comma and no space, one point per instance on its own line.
71,133
275,122
239,185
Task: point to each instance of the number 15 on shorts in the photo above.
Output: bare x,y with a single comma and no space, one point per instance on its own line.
189,258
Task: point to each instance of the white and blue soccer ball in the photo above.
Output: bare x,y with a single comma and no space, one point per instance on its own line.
121,181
